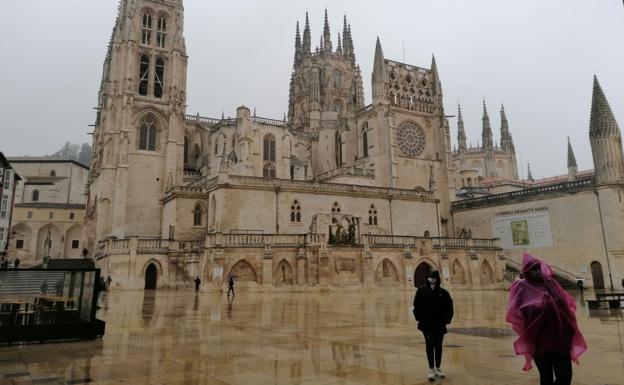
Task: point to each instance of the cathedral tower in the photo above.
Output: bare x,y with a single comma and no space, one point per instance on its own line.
605,140
139,128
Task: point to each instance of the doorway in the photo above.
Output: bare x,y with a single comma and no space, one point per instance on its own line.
597,276
151,276
421,273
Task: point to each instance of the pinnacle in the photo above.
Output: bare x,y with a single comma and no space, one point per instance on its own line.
571,157
602,121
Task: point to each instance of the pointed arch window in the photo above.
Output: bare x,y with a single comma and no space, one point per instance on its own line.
186,150
35,196
372,215
269,148
268,155
161,31
268,171
146,31
295,211
365,140
147,135
335,208
144,65
159,77
53,173
197,215
338,140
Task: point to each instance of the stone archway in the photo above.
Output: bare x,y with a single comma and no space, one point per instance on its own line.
72,242
151,276
487,272
243,272
421,273
386,272
458,274
284,273
597,275
48,242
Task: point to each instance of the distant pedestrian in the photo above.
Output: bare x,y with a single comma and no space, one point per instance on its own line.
100,289
16,263
197,283
58,287
109,280
231,286
433,309
44,287
542,314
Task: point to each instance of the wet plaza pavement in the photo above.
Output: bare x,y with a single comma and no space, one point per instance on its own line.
178,337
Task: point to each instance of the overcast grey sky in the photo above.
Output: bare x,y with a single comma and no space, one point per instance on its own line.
536,56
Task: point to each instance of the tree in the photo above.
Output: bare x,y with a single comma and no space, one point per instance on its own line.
84,156
69,151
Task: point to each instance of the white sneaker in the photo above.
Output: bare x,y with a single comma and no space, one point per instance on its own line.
439,373
431,375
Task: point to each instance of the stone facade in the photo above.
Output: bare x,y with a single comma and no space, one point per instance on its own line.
575,221
302,201
49,209
8,186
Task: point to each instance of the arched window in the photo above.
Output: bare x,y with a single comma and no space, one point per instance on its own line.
269,148
161,29
35,196
146,31
268,171
365,140
335,208
186,150
52,173
338,142
144,75
159,77
295,211
268,154
372,215
197,215
147,135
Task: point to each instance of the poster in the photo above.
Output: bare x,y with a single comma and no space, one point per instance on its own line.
217,272
409,273
523,228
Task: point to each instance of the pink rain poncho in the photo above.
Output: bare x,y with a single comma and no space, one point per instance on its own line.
542,314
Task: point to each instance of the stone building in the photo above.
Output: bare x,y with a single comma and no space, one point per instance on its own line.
474,164
338,193
575,221
49,206
8,181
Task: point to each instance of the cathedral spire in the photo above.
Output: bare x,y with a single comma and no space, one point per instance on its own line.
572,168
571,157
327,35
339,48
486,133
605,140
529,174
380,76
506,142
297,45
307,42
435,78
461,133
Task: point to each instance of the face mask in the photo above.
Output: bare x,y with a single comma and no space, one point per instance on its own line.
432,281
536,274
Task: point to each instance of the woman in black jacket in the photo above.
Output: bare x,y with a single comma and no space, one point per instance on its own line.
433,309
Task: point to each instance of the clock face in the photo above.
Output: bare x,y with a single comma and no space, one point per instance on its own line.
411,139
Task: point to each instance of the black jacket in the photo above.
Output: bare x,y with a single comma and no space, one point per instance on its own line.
433,309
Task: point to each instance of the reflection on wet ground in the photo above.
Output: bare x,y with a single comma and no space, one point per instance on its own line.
179,337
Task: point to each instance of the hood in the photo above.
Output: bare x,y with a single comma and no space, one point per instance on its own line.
529,261
435,274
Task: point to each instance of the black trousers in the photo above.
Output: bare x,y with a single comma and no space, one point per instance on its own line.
554,368
433,344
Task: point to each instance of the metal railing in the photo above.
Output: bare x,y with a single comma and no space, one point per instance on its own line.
557,188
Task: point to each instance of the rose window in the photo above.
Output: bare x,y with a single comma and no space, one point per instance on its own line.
411,139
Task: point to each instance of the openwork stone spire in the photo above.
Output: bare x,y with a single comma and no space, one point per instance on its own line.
326,35
307,42
601,122
297,45
461,132
486,133
506,140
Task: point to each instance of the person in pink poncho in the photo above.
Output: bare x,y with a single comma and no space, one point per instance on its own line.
542,314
